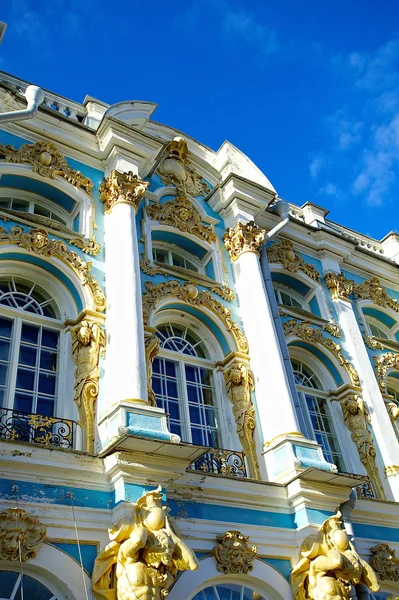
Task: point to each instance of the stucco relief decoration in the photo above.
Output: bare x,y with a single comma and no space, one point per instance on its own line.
306,332
242,238
384,363
21,535
152,346
384,562
239,385
175,169
340,287
284,252
47,161
233,553
357,419
333,329
88,344
38,242
372,343
89,246
393,411
373,290
180,213
189,293
144,555
329,565
121,188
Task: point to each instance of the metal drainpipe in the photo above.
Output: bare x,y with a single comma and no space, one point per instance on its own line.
281,208
34,97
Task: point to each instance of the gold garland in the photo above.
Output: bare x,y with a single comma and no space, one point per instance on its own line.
284,252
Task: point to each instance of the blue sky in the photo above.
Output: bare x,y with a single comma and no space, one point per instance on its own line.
309,90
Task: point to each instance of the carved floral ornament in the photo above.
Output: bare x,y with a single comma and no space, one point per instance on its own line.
384,363
122,188
175,169
306,332
38,242
384,562
284,252
340,287
47,161
189,293
20,535
242,238
233,553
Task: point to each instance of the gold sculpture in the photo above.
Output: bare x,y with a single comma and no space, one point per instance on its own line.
189,294
180,213
383,363
243,238
340,287
372,343
329,565
175,169
333,328
38,242
239,385
89,246
384,562
233,554
120,188
47,161
371,289
357,417
284,252
88,343
142,560
21,535
152,346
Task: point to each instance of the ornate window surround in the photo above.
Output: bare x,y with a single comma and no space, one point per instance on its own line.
38,200
380,343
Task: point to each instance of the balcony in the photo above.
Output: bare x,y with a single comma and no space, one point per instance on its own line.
217,461
37,429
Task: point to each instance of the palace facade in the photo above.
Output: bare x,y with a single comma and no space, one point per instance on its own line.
174,333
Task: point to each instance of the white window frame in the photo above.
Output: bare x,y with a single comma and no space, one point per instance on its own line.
281,288
174,249
393,386
46,203
372,321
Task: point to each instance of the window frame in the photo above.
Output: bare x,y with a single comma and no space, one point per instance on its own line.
67,219
171,249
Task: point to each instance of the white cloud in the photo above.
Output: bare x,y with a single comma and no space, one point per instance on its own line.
317,164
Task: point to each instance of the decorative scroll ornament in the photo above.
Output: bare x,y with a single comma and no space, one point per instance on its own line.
122,188
393,411
88,343
47,161
307,333
284,252
144,556
189,294
384,562
242,238
38,242
239,385
333,329
175,169
372,343
373,290
329,565
152,346
233,553
356,418
180,213
340,287
21,535
383,363
89,246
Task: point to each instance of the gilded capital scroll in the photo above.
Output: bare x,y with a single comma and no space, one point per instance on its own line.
242,238
340,287
121,188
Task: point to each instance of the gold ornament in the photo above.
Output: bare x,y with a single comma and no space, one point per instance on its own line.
174,169
384,562
243,238
47,161
329,565
307,333
89,246
340,287
393,411
239,385
333,329
88,343
373,290
155,293
383,363
122,188
21,535
284,252
152,346
144,556
372,343
356,418
182,215
233,553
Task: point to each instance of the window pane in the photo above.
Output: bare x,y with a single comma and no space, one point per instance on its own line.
5,328
48,360
23,402
4,350
50,338
47,384
25,379
27,355
45,406
29,333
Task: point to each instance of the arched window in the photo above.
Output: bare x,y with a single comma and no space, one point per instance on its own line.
183,382
393,390
228,591
176,257
15,586
314,414
378,329
34,206
287,298
29,347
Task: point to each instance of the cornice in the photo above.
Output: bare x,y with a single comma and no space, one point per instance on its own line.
247,195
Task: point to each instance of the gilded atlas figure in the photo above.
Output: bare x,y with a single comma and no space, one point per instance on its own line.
239,385
329,565
142,560
152,345
88,342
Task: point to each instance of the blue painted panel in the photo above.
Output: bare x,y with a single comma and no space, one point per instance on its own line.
312,261
89,553
130,492
283,566
304,516
314,306
174,238
209,270
376,532
147,426
38,187
309,457
322,357
12,140
291,282
379,315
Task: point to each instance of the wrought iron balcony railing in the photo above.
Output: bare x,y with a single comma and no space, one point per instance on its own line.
365,490
38,429
221,462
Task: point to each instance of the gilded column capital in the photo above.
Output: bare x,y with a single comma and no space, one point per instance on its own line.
122,188
340,287
243,237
